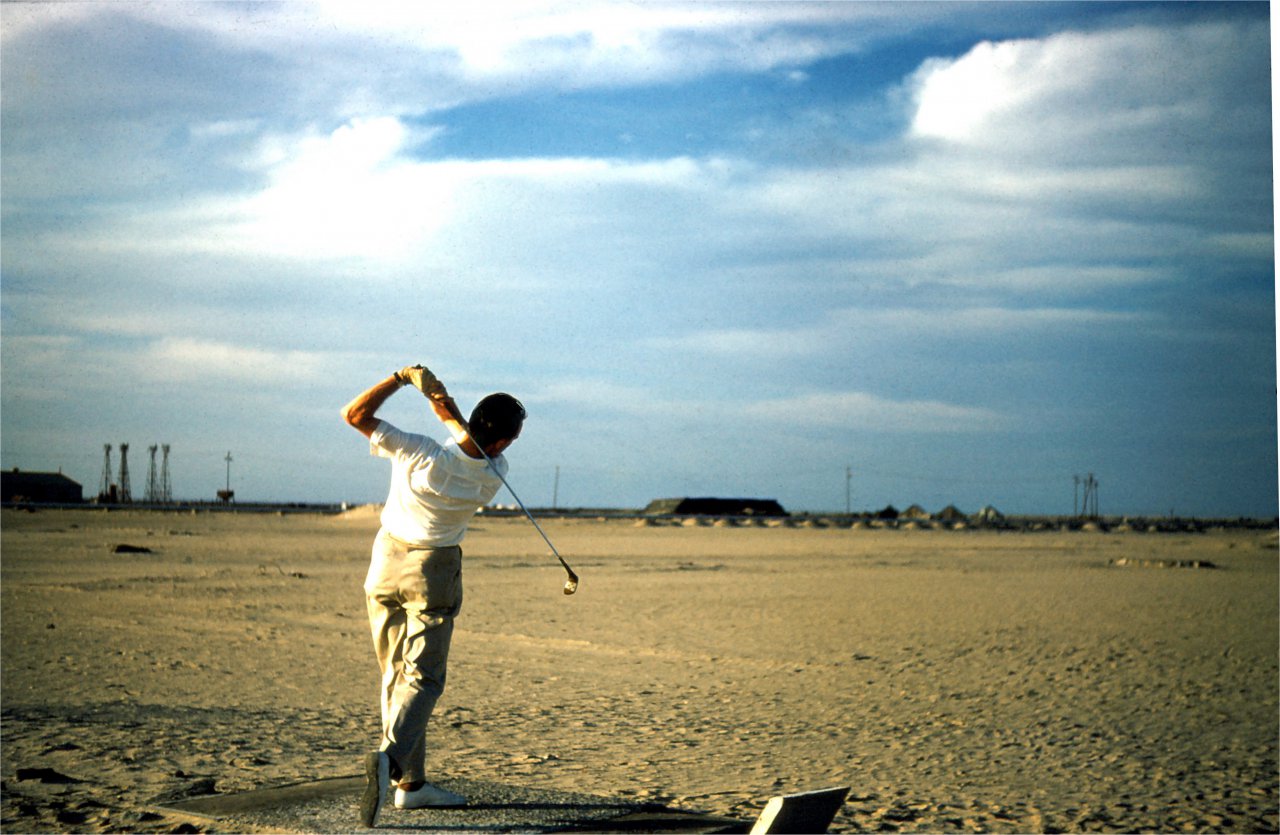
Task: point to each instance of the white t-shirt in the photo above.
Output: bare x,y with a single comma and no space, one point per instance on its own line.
435,490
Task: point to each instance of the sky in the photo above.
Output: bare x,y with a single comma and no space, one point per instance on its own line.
839,254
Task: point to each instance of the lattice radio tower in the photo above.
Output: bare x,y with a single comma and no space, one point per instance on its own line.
166,493
153,483
125,496
104,490
1090,508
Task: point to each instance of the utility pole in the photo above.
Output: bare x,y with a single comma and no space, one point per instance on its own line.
227,495
1075,497
555,491
848,494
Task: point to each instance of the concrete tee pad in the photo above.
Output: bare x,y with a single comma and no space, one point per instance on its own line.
331,805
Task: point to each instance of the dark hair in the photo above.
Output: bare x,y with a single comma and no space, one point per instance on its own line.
497,417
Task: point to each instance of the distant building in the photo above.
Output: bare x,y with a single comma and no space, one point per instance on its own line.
715,507
39,488
915,512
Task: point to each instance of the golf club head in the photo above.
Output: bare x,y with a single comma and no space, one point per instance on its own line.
571,585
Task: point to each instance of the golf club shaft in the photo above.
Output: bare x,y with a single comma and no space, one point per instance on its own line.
453,409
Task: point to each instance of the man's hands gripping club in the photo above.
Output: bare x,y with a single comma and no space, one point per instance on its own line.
423,380
442,404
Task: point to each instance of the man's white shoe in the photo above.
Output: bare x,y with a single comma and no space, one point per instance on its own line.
426,797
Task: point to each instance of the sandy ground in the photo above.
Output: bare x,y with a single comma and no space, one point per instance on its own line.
957,681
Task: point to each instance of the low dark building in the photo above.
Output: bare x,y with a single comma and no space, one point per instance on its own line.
714,507
39,488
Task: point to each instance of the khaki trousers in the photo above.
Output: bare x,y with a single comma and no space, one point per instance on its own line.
413,594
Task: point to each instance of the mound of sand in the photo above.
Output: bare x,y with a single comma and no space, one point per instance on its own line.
360,513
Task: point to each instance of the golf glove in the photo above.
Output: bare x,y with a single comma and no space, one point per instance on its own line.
421,379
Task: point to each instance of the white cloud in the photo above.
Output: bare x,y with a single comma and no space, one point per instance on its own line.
837,330
928,201
20,19
346,193
867,412
1069,164
179,360
356,194
1103,95
745,343
222,128
981,322
517,44
847,409
1253,245
958,98
602,43
168,359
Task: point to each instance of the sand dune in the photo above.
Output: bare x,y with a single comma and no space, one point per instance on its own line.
959,681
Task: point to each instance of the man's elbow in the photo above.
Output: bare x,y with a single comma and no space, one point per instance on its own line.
357,419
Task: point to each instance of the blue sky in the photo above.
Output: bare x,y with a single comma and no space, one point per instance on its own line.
967,251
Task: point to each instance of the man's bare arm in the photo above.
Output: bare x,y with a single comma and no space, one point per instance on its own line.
362,412
447,411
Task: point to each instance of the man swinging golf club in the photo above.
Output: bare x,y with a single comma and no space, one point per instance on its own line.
414,585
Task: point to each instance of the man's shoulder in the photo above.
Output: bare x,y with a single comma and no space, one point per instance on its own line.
463,463
390,436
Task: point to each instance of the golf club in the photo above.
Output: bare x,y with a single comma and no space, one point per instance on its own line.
571,584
